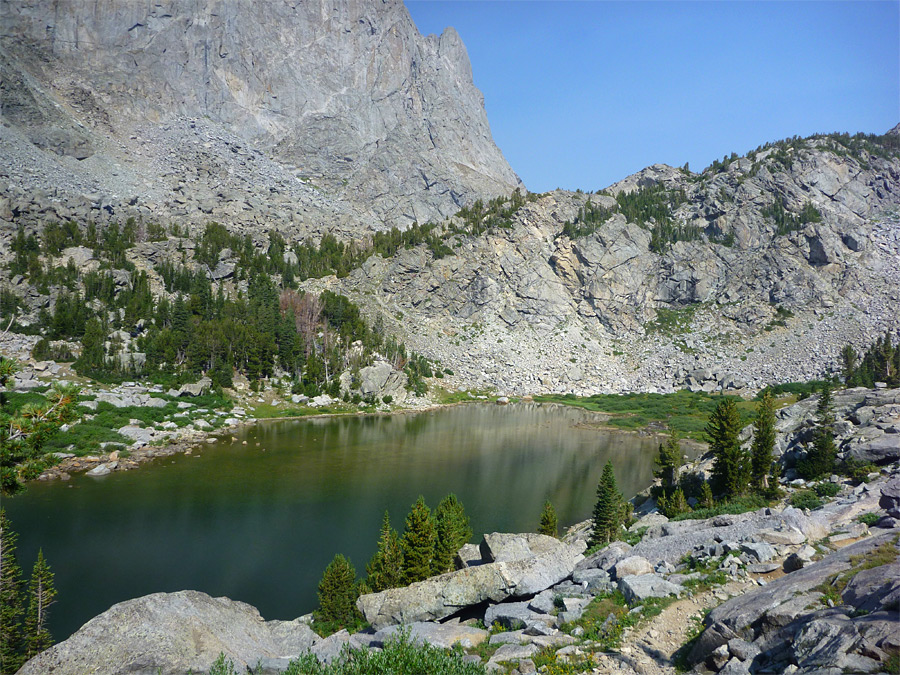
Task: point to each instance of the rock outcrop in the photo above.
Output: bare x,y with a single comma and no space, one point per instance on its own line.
181,108
526,565
172,634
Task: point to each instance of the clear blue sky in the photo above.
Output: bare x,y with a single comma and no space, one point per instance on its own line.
581,94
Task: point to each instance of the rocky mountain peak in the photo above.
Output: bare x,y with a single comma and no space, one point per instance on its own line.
345,96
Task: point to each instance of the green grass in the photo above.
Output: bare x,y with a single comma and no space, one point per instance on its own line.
684,411
740,505
833,588
673,321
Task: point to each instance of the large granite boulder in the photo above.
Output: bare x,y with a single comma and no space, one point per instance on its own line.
441,596
172,634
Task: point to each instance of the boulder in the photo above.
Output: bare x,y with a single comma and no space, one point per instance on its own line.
197,389
592,580
605,558
512,615
443,635
759,551
330,648
102,470
890,497
637,588
881,450
632,566
441,596
172,634
503,547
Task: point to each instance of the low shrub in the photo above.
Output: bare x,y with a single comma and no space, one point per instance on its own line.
805,499
826,489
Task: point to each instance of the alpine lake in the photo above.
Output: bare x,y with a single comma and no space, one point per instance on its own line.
259,522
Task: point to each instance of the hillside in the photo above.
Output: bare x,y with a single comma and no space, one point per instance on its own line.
733,276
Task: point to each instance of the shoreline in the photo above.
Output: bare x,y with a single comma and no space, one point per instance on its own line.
197,439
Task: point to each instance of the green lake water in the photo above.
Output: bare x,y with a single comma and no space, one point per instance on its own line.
259,522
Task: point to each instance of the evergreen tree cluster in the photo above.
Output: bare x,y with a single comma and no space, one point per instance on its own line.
24,610
427,547
196,328
649,207
880,363
786,221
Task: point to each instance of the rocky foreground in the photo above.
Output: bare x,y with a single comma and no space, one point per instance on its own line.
797,591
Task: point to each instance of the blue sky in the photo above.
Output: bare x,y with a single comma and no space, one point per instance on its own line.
581,94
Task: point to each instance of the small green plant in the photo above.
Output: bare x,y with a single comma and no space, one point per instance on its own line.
868,519
805,499
826,489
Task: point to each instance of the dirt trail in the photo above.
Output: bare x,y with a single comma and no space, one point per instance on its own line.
649,648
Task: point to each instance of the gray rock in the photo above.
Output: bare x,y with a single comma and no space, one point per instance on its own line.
793,563
631,566
172,633
605,558
637,588
441,596
443,635
593,580
102,470
198,388
763,568
330,648
510,652
503,547
759,551
512,615
890,497
881,450
735,667
743,650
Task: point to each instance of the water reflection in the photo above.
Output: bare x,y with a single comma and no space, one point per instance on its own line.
259,523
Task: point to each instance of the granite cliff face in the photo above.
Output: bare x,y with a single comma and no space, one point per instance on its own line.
347,114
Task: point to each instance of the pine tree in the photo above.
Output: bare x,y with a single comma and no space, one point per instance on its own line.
669,462
10,599
731,468
706,496
337,595
41,594
609,511
453,532
385,569
419,539
849,360
763,442
821,456
549,524
674,504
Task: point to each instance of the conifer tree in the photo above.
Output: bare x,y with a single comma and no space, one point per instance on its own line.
338,592
419,539
385,569
731,468
821,456
41,594
706,496
453,532
674,504
669,462
763,442
10,599
609,511
549,524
